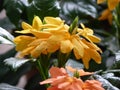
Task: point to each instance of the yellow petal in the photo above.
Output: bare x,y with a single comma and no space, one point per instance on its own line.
94,38
86,58
100,1
22,42
82,25
92,45
112,4
40,34
26,26
54,43
52,20
58,28
66,46
95,56
39,49
37,23
24,31
49,26
88,31
36,42
26,51
78,49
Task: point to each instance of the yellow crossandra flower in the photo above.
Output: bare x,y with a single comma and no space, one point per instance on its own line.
81,48
54,35
111,3
107,13
40,43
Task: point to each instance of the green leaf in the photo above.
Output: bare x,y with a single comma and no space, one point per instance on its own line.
14,10
5,37
15,62
42,8
112,79
1,5
116,65
84,9
105,83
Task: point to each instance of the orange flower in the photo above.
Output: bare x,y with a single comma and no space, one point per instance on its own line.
60,80
92,85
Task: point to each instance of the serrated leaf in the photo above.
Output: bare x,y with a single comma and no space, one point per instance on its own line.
15,62
14,10
105,83
6,37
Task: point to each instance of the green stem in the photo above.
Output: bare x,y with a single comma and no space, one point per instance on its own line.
62,59
42,73
117,24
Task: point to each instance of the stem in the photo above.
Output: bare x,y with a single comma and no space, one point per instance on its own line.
117,24
112,71
62,59
42,72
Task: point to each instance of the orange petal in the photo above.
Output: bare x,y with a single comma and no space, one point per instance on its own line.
53,88
81,71
112,4
55,72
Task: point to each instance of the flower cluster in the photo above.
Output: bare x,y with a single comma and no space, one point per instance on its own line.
52,35
107,13
60,80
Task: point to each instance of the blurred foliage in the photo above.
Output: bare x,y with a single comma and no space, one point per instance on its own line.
88,12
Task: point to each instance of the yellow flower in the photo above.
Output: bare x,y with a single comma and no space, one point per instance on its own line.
106,15
62,40
41,32
54,35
